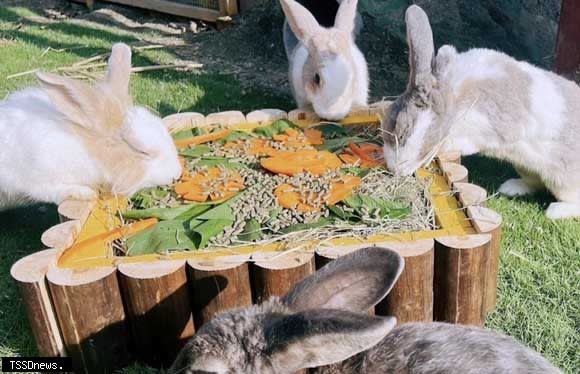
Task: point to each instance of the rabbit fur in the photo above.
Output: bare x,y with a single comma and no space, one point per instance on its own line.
322,323
483,101
327,70
68,139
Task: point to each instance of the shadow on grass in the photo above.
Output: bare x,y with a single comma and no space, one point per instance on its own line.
490,174
20,231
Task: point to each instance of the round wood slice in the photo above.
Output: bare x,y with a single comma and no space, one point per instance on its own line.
62,235
219,285
232,117
75,210
30,276
470,194
411,299
264,116
274,274
90,313
298,115
459,283
184,121
158,309
487,221
454,172
452,157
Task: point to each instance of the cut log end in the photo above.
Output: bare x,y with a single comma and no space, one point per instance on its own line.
184,121
62,235
33,268
150,270
470,194
232,117
76,209
77,277
454,172
263,116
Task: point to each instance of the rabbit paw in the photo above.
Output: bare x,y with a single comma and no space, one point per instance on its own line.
563,210
516,187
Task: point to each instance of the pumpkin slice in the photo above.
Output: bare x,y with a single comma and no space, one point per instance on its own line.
293,138
309,160
213,184
201,139
288,196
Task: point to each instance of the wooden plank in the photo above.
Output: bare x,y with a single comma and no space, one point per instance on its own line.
568,45
169,7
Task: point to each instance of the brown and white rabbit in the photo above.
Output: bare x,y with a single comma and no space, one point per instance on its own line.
322,321
483,101
327,70
68,139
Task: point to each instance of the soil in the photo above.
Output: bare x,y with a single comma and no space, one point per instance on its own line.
251,47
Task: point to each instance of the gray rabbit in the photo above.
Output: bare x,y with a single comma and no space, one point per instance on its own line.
484,101
322,321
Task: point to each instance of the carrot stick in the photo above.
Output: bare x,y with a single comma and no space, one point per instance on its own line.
200,139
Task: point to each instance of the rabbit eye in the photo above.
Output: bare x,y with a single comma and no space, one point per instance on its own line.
317,79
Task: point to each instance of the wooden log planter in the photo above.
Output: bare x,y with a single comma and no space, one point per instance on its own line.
105,311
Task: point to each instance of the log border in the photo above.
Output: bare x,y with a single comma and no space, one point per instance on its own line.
113,292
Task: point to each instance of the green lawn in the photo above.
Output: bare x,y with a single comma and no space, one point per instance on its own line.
539,297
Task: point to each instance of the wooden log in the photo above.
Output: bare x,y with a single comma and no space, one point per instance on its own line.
274,274
228,7
470,194
91,317
75,210
62,235
232,117
567,60
380,108
265,116
411,299
158,309
452,157
454,172
30,276
459,282
302,115
487,221
219,285
184,121
175,8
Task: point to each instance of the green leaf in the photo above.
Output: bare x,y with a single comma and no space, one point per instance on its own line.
164,236
273,129
387,208
236,135
195,151
336,145
165,214
207,230
252,231
222,211
185,134
355,170
306,226
219,161
339,212
331,130
274,213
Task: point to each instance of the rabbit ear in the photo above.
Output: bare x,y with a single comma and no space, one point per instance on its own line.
75,100
355,282
119,69
301,21
322,337
346,15
421,46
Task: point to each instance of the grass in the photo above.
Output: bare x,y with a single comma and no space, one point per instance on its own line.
539,297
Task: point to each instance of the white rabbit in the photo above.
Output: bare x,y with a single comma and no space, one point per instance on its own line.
68,139
322,321
483,101
327,70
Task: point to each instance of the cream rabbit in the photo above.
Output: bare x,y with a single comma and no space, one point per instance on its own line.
327,70
322,321
68,140
483,101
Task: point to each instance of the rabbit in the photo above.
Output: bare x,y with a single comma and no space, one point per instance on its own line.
322,323
483,101
69,140
327,71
